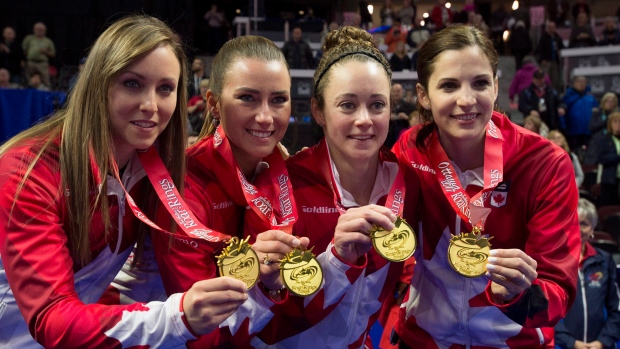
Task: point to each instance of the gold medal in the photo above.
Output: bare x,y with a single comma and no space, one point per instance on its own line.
301,272
239,261
396,245
468,253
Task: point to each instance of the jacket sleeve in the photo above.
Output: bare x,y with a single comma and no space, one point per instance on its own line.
610,333
554,242
39,270
526,102
297,314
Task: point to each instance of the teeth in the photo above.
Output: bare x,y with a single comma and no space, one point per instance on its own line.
465,117
260,134
362,137
145,124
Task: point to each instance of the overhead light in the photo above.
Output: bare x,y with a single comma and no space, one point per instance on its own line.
301,13
370,9
448,5
506,35
238,11
515,5
425,15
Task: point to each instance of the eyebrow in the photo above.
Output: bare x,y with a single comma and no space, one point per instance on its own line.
253,90
374,95
144,77
481,76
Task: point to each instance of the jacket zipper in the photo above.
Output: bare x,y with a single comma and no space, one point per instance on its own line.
585,306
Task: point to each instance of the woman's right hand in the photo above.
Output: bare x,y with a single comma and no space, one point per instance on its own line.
209,302
352,236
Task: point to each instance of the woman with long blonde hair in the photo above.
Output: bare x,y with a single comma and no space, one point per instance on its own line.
69,220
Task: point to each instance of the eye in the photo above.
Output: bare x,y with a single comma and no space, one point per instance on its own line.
280,99
379,105
483,83
347,105
167,88
448,86
246,98
131,83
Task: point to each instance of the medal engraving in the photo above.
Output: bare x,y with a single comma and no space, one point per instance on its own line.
468,253
239,261
301,272
396,245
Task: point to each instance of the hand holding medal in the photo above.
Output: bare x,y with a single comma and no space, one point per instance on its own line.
239,261
511,272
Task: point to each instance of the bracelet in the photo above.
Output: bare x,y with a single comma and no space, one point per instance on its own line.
272,292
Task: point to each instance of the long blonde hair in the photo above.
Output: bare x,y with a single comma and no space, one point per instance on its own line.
83,126
248,46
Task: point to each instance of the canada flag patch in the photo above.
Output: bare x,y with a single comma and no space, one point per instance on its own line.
500,194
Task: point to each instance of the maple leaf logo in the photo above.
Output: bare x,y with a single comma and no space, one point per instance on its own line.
499,198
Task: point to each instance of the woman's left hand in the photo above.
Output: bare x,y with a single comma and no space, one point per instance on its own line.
511,272
271,246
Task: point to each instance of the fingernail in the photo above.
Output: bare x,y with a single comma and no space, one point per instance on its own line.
487,274
492,259
296,242
490,266
493,252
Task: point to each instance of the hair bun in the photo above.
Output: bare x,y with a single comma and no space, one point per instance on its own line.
346,36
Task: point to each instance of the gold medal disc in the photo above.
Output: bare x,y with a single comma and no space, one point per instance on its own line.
468,253
301,272
239,261
396,245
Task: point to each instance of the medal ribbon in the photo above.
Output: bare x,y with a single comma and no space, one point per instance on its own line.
194,233
279,218
396,194
471,210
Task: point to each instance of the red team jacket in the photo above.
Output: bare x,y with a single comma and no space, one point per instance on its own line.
538,215
42,294
342,312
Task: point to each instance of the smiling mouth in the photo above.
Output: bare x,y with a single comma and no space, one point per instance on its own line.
144,124
361,137
465,117
260,134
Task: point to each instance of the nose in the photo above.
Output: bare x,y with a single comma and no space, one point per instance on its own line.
149,101
363,117
264,114
466,97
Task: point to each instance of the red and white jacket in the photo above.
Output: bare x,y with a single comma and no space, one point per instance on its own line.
43,294
538,215
341,313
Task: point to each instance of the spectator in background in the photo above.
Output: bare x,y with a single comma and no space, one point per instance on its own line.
478,22
196,107
557,11
216,29
11,55
523,79
198,73
541,99
38,49
464,15
395,34
418,34
595,321
548,53
581,34
579,7
36,82
498,21
520,43
533,123
407,13
387,13
365,15
557,138
400,113
610,35
579,104
5,79
609,156
400,60
598,126
441,16
298,52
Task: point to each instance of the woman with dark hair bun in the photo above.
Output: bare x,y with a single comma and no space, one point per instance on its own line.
497,211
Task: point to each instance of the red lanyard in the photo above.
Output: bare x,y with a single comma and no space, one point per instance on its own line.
396,195
472,210
280,217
